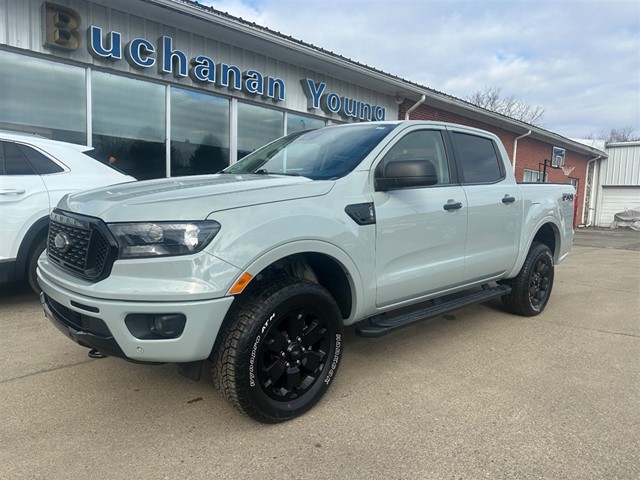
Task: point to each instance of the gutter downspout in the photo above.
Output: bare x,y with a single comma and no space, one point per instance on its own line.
416,105
594,191
515,149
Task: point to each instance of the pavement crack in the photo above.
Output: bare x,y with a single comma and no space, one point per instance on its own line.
598,287
591,329
39,372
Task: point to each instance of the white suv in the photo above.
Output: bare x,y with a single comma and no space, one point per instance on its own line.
35,173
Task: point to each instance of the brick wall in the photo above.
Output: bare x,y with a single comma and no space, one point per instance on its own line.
531,152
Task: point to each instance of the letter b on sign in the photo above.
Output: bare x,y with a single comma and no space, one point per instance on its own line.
61,26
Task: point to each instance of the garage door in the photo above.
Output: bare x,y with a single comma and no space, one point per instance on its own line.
617,199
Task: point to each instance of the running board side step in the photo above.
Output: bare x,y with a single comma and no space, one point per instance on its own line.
380,325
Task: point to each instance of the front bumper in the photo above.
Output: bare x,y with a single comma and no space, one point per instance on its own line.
100,324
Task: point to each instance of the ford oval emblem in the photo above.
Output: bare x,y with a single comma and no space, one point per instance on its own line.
62,242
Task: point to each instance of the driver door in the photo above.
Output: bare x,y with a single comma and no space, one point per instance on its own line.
420,232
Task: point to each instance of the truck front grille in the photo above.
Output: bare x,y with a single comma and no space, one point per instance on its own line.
81,245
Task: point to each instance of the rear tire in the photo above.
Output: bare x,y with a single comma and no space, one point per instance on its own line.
32,263
281,350
531,288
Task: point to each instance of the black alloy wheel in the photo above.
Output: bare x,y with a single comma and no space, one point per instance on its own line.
280,350
531,288
540,281
294,353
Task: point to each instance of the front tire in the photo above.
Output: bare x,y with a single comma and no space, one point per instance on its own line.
531,288
281,351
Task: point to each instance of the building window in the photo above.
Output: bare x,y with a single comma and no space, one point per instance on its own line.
43,97
128,124
199,133
533,176
257,126
298,123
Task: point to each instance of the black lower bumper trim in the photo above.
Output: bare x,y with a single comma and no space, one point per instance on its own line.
104,344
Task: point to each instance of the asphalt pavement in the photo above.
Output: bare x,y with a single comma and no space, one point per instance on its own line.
477,394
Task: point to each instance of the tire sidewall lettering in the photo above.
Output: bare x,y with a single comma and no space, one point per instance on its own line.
255,348
335,360
252,362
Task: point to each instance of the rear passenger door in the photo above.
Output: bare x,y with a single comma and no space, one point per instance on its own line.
23,198
494,203
420,232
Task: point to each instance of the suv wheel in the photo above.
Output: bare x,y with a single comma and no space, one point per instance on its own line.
32,263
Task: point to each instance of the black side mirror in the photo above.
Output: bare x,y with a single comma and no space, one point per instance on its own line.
406,174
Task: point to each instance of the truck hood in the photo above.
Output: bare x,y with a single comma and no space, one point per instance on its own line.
189,198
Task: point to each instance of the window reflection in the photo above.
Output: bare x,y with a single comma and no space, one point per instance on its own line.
199,133
128,125
43,97
257,126
298,123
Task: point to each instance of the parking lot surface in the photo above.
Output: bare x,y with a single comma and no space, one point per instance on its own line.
471,395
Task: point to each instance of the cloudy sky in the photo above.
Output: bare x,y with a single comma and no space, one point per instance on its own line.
579,59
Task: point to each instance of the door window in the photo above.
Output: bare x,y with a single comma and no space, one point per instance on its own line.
421,145
478,159
14,162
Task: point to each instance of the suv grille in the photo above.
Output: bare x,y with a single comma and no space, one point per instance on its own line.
83,246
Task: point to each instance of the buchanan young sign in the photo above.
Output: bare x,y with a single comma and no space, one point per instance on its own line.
62,30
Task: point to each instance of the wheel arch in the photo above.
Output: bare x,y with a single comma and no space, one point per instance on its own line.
549,234
546,232
36,232
320,262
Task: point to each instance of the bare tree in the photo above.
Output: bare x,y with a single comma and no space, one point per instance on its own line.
493,99
622,134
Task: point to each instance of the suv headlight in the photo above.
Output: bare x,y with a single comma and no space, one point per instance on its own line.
157,239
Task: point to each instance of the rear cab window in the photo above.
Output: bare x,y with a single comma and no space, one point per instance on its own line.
478,159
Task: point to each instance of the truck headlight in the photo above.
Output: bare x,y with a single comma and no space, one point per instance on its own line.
157,239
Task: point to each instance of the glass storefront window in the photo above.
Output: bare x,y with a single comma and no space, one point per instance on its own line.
199,133
128,124
43,97
257,126
298,123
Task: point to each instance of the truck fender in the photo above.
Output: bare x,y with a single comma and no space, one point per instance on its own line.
527,241
317,247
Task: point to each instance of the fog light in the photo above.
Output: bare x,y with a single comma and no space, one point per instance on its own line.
155,326
167,325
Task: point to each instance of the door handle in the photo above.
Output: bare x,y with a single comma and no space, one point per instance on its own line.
508,199
12,191
452,206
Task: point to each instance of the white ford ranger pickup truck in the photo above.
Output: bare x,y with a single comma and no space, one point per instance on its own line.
258,269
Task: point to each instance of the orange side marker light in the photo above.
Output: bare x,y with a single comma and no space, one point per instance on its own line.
241,283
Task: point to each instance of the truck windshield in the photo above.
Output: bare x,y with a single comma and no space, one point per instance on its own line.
322,154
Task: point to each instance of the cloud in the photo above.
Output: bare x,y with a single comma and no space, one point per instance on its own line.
579,59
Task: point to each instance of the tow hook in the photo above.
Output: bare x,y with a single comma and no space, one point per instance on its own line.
93,353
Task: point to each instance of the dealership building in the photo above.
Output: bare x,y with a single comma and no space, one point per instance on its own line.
172,87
